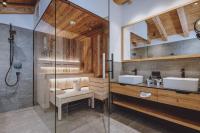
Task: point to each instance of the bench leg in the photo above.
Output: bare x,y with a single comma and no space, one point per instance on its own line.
89,102
92,99
60,112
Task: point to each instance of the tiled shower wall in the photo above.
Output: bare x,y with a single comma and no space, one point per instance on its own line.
167,68
21,96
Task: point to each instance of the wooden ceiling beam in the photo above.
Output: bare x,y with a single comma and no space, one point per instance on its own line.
160,27
183,21
121,2
17,9
136,39
21,3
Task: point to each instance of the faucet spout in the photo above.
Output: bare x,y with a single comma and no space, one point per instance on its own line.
135,71
183,73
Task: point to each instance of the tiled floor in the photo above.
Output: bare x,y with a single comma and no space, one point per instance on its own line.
22,121
84,120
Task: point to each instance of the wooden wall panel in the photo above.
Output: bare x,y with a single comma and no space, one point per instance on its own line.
86,55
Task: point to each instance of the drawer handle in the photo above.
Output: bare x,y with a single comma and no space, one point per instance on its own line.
145,94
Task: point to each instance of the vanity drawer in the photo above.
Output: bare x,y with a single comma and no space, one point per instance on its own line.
190,101
125,89
167,97
135,91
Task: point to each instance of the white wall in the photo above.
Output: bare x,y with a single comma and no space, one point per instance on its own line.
115,30
98,7
20,20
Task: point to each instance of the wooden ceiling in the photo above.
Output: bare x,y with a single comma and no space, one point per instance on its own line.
121,2
73,21
179,21
18,7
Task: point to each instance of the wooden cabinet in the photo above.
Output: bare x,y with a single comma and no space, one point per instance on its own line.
135,91
156,103
167,97
125,90
190,101
170,97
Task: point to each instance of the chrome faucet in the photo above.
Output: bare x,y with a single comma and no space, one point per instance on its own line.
135,71
183,73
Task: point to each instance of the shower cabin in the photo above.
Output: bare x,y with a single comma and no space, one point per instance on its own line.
71,69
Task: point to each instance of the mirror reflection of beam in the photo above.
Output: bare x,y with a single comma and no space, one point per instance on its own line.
183,21
160,27
136,39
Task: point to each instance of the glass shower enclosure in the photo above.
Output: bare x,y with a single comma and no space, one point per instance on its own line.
71,77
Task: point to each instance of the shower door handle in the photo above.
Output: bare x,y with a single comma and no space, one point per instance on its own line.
104,66
111,68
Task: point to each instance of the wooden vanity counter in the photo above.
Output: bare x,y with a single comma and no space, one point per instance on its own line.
163,97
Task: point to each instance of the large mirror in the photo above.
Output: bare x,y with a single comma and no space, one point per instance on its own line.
168,35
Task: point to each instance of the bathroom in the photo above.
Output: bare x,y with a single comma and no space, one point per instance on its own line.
99,66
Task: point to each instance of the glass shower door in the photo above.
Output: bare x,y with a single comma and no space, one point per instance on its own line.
71,92
81,47
45,69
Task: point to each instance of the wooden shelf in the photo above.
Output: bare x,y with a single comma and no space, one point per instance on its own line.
159,113
164,58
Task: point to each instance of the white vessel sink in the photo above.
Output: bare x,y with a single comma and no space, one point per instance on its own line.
185,84
130,79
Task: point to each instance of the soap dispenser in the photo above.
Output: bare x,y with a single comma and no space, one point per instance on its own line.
149,81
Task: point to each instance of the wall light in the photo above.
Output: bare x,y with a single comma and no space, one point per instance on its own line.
72,22
60,60
4,3
61,68
196,3
70,79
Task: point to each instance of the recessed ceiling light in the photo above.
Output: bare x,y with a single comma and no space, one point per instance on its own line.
196,3
71,22
4,3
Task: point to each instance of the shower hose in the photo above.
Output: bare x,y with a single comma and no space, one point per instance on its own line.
11,40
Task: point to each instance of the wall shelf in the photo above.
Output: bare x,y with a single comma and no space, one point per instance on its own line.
159,113
163,58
